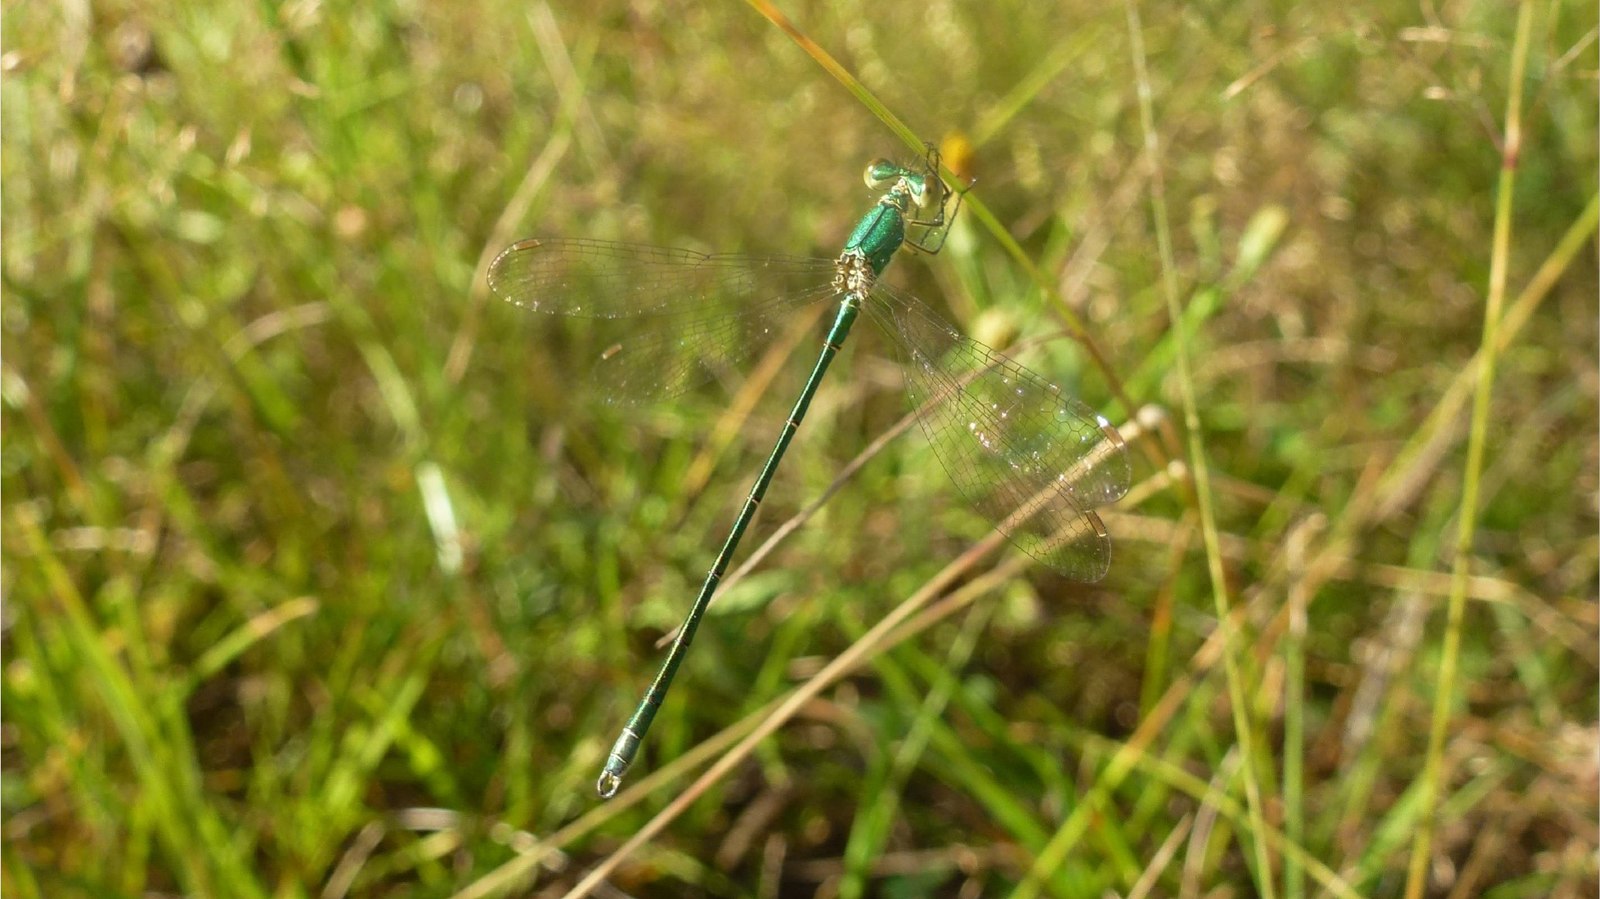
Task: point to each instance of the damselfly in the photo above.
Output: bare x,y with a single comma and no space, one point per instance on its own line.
1022,453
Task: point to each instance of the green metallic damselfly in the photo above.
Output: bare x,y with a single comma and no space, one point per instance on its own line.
1022,453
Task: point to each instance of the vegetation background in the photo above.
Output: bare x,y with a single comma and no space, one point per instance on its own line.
322,580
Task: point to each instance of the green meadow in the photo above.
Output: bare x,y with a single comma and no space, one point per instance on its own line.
326,573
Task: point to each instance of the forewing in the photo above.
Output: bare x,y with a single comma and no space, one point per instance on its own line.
1031,459
662,321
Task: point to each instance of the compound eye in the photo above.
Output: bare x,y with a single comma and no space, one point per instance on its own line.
881,173
929,190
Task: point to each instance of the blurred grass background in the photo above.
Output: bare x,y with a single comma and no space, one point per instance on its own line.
322,580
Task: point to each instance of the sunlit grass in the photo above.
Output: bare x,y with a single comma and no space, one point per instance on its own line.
323,579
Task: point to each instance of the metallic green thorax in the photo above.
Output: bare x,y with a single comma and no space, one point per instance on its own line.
879,234
872,244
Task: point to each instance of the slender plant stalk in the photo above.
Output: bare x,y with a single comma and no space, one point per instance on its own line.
1294,724
1467,520
1410,465
839,72
1197,461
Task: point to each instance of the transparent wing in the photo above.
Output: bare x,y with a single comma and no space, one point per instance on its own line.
1031,459
662,321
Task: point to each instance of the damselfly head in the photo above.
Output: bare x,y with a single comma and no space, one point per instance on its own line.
930,190
923,188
